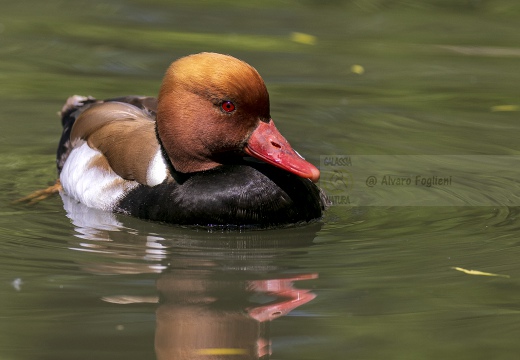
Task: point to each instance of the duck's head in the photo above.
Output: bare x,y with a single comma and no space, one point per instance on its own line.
213,108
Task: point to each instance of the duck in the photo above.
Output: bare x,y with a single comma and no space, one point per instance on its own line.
205,152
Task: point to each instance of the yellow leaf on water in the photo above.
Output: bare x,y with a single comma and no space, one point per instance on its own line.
476,272
303,38
505,108
222,351
357,69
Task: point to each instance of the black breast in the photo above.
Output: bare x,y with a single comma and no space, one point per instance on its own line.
241,195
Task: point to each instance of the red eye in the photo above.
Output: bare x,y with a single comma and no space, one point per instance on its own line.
228,106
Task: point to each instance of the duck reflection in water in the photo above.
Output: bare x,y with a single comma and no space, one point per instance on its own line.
218,291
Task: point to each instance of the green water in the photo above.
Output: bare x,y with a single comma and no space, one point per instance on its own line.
361,78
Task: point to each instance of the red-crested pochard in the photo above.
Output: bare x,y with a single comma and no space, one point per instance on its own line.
187,157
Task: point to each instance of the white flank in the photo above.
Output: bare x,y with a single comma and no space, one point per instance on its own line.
157,170
90,185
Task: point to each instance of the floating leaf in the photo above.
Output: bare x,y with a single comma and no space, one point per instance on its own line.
505,108
303,38
222,351
357,69
476,272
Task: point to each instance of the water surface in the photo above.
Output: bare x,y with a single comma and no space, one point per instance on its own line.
345,78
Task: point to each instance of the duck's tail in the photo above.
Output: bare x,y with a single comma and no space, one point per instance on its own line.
70,111
76,104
